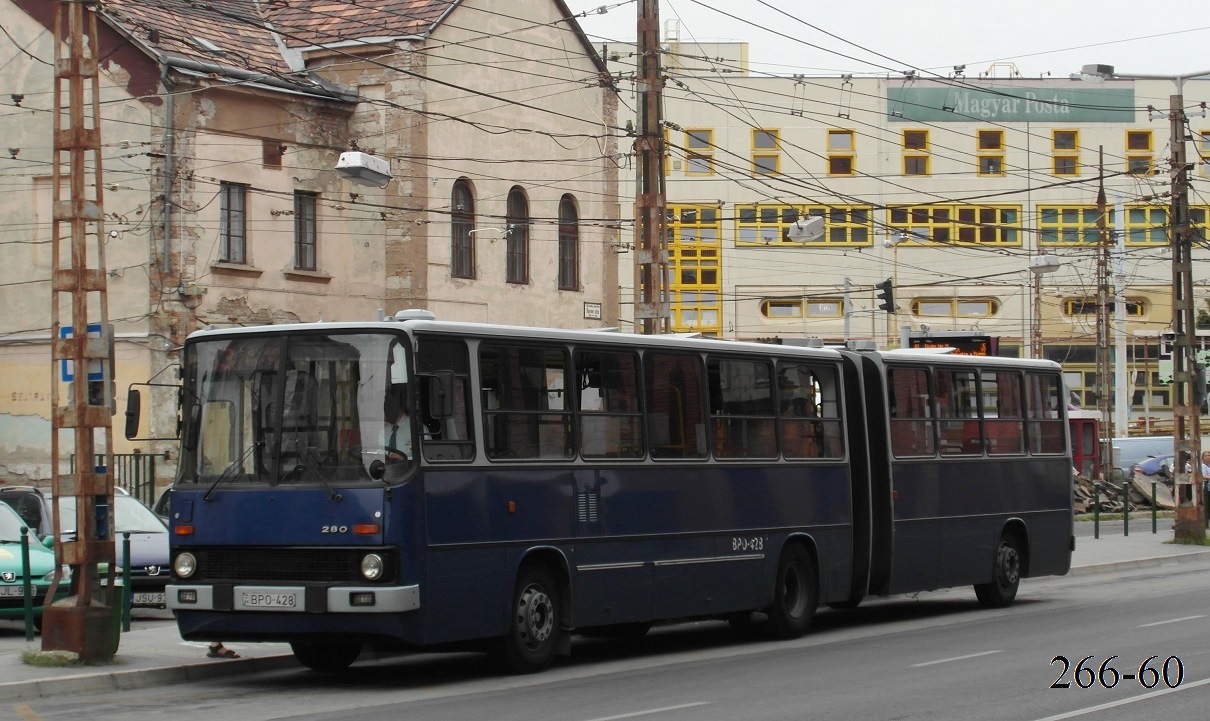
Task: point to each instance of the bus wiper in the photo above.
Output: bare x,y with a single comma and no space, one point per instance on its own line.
318,468
237,463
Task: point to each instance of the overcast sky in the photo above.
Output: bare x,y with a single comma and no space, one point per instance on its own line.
881,36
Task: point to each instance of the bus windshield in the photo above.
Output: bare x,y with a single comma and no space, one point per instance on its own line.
300,409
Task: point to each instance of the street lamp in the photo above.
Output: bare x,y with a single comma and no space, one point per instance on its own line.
892,283
1039,265
1187,436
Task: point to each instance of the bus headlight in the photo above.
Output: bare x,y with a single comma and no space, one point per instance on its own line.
371,566
184,565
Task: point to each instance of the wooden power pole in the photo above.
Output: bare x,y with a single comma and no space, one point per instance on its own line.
651,306
83,623
1104,385
1188,382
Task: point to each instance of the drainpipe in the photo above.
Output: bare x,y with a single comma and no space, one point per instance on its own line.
169,169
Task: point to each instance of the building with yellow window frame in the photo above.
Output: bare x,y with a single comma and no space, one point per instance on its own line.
949,187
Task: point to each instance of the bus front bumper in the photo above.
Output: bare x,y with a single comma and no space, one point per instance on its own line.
301,599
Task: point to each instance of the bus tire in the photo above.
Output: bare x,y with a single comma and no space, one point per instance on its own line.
535,623
326,656
1006,575
795,594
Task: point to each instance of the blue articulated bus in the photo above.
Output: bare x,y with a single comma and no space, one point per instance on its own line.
544,482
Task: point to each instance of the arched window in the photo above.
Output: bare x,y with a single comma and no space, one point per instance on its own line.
569,244
462,222
517,247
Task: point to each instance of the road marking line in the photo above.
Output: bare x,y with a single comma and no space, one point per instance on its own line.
1123,702
1175,620
654,710
26,713
955,658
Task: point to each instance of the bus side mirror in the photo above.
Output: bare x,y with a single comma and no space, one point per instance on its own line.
133,398
441,398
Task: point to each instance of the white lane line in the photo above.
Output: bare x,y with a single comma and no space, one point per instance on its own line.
955,658
651,711
1123,702
1175,620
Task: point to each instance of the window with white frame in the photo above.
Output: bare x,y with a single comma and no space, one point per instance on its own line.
305,226
233,223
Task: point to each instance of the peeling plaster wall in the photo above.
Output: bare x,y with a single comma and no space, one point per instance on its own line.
26,251
549,144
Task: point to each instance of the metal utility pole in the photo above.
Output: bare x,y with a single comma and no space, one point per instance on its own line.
651,308
83,623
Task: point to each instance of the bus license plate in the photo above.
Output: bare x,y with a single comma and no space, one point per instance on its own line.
273,599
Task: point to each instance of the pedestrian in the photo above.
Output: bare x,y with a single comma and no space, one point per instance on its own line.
218,650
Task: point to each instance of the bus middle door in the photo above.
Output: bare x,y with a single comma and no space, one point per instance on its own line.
612,583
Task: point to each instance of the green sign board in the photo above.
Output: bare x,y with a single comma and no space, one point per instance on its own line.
1009,104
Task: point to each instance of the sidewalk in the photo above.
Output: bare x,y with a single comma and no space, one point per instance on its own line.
154,655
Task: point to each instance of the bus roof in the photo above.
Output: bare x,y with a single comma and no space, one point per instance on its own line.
490,330
682,341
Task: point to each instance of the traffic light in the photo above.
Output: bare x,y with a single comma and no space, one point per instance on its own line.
886,294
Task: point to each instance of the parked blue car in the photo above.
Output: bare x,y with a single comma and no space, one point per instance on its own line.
1159,468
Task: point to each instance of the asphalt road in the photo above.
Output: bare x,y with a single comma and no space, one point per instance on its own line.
937,656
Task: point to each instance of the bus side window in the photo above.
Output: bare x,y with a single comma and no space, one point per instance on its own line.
1002,418
911,412
675,405
1043,413
809,417
958,410
530,419
445,362
610,424
741,407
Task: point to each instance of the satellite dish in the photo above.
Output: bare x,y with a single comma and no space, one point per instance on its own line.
806,229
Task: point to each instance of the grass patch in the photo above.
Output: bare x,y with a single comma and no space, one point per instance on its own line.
58,659
1190,541
49,659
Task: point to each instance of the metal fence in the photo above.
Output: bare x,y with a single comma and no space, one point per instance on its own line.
133,471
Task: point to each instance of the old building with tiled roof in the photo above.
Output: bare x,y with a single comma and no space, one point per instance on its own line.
223,122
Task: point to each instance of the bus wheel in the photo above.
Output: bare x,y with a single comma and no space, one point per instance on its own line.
1006,575
326,656
795,594
535,626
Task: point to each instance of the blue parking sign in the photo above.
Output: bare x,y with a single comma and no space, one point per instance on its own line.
96,371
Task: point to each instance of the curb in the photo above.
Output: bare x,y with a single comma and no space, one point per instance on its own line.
140,678
1192,557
